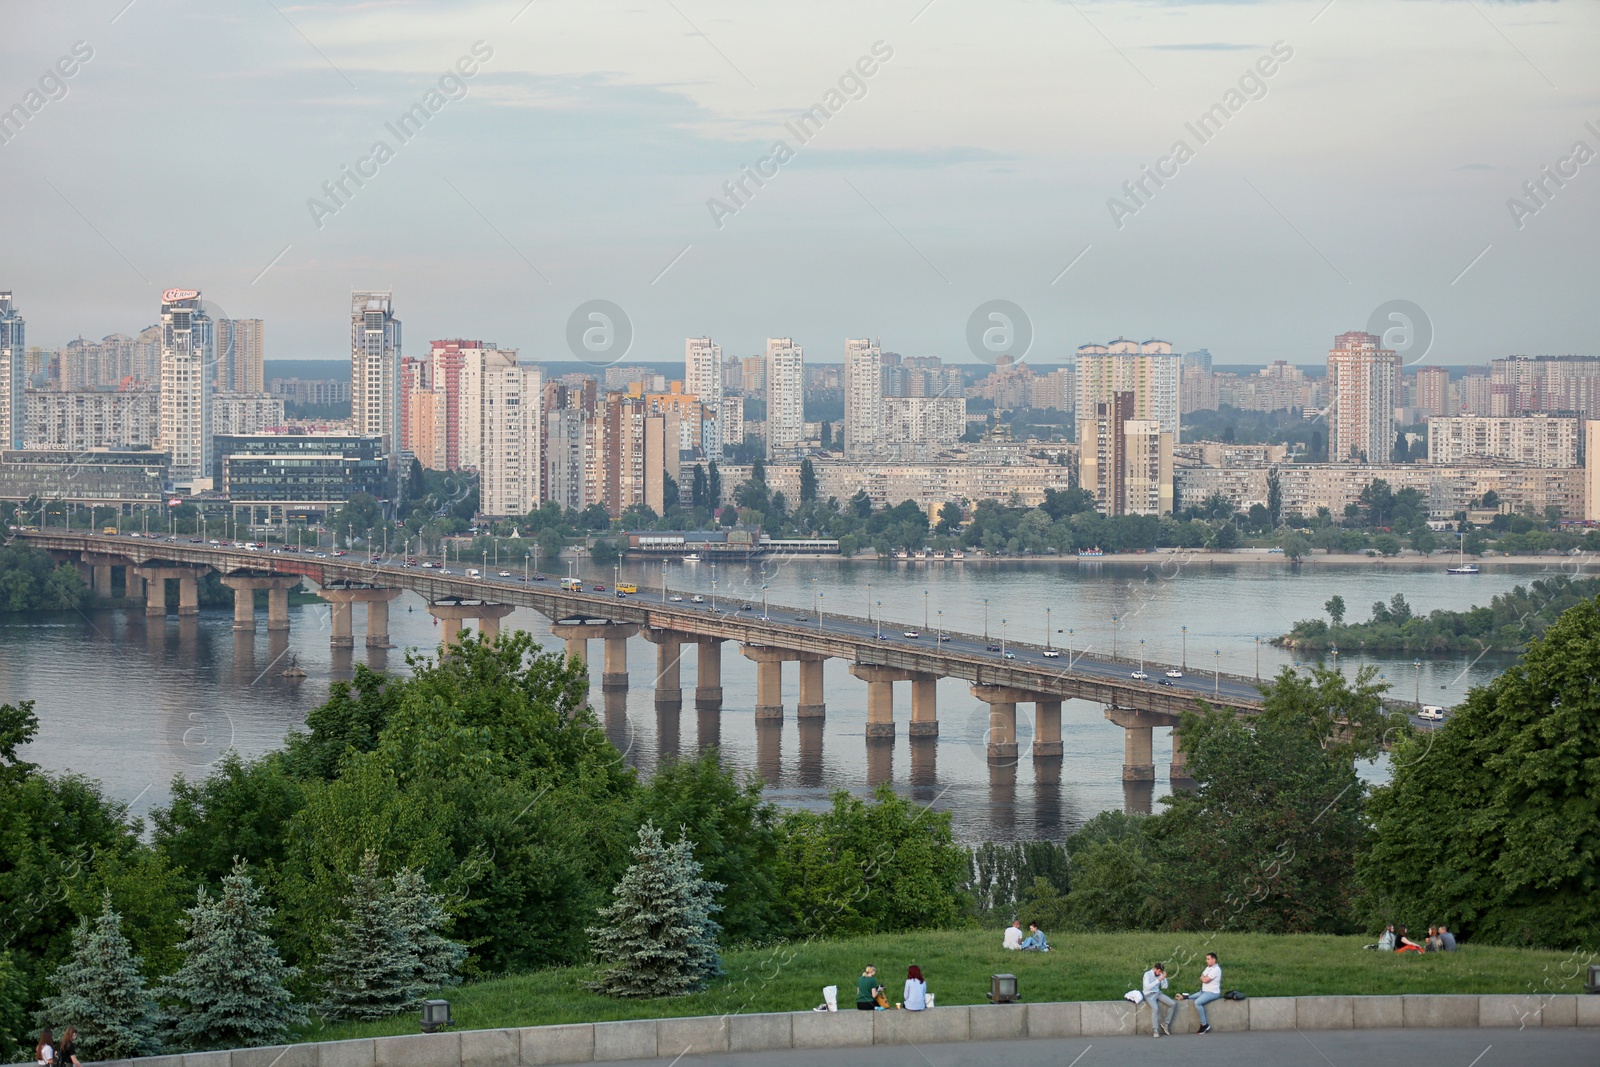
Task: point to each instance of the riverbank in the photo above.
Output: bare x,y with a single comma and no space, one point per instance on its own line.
1173,557
958,963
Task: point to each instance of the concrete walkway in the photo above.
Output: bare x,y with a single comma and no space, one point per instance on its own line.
1339,1048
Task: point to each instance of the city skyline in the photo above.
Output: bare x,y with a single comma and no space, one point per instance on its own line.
1433,163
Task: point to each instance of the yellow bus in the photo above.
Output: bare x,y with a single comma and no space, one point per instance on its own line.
627,587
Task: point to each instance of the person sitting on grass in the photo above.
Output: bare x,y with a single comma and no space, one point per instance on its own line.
868,989
1386,939
1013,939
1404,943
1433,944
1035,941
1446,938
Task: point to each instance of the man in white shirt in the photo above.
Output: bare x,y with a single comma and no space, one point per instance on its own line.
1014,935
1155,980
1210,989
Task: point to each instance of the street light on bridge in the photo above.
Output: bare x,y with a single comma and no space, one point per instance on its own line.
1114,620
880,619
1183,664
1216,677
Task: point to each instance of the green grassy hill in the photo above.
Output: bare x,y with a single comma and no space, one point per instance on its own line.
957,964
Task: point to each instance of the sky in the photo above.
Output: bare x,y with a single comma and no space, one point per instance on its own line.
1360,153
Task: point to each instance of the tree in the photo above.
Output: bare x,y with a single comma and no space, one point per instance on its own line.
1387,544
551,543
1335,608
369,967
1296,547
950,516
659,935
1274,497
714,485
605,553
827,434
1491,823
808,482
425,922
232,990
1227,537
699,488
101,992
861,505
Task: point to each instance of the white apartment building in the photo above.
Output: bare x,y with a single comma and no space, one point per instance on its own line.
731,420
375,368
702,377
500,429
921,424
78,420
785,388
864,431
923,483
115,361
245,413
1362,381
13,375
1148,370
1536,440
187,352
241,355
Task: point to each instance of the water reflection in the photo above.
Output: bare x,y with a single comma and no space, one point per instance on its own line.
808,770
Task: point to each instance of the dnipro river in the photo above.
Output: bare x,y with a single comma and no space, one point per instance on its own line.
134,703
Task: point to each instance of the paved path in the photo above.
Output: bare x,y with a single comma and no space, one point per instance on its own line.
1322,1048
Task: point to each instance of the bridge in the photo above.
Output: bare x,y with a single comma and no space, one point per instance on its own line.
1001,674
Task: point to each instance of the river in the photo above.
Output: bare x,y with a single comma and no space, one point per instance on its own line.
134,703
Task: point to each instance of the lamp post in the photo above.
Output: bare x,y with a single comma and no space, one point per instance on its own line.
880,619
938,638
816,609
986,620
1113,637
663,581
763,601
1047,630
869,602
1258,658
924,610
1184,663
819,611
1070,633
1334,651
713,588
1417,666
1141,655
1216,677
1002,639
525,558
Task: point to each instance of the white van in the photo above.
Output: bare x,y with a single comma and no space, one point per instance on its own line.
473,573
1432,713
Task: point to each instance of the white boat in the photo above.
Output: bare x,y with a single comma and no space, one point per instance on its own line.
1462,566
1465,568
692,557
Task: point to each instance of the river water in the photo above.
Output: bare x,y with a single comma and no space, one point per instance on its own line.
134,703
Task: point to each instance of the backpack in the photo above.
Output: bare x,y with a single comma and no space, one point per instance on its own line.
1233,994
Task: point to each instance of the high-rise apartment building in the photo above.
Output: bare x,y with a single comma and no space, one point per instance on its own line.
1534,439
1433,391
448,358
1148,370
116,361
13,374
863,397
188,351
375,369
914,426
414,379
500,430
241,355
1545,383
77,420
1362,379
786,411
753,376
1128,463
702,377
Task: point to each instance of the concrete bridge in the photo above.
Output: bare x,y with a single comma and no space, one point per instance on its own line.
886,658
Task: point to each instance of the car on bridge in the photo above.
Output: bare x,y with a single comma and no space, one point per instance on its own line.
1010,655
505,574
911,635
1052,653
697,599
944,637
676,598
1432,713
1139,676
1174,673
992,648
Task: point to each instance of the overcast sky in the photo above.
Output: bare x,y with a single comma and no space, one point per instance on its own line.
977,162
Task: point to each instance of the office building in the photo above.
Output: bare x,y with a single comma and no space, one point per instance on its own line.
1535,440
241,354
786,412
702,377
272,480
1147,370
13,374
1362,379
1129,466
500,430
375,368
188,348
95,477
863,397
79,420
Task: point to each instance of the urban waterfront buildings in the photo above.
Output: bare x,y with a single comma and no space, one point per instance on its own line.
1147,370
863,398
375,368
188,349
785,391
500,428
1534,440
78,420
702,377
1521,384
276,479
1362,381
13,373
241,355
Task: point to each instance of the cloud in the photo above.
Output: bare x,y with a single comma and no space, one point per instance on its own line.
1203,46
1475,166
914,159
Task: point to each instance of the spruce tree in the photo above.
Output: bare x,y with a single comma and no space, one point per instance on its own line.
230,991
101,992
659,934
422,917
370,967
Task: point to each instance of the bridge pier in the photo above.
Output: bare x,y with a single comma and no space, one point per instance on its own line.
708,674
1178,770
769,678
811,705
489,616
1138,758
341,602
102,581
155,603
1003,701
277,608
616,663
132,584
669,657
924,708
576,635
448,614
880,697
1046,729
244,598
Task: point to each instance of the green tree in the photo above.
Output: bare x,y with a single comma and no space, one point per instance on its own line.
1492,822
369,968
1335,608
714,485
232,990
1296,547
242,808
950,516
425,923
808,482
1274,497
605,553
13,1003
1387,545
659,934
100,991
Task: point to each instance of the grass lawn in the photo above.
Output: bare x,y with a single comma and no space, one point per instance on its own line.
957,964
